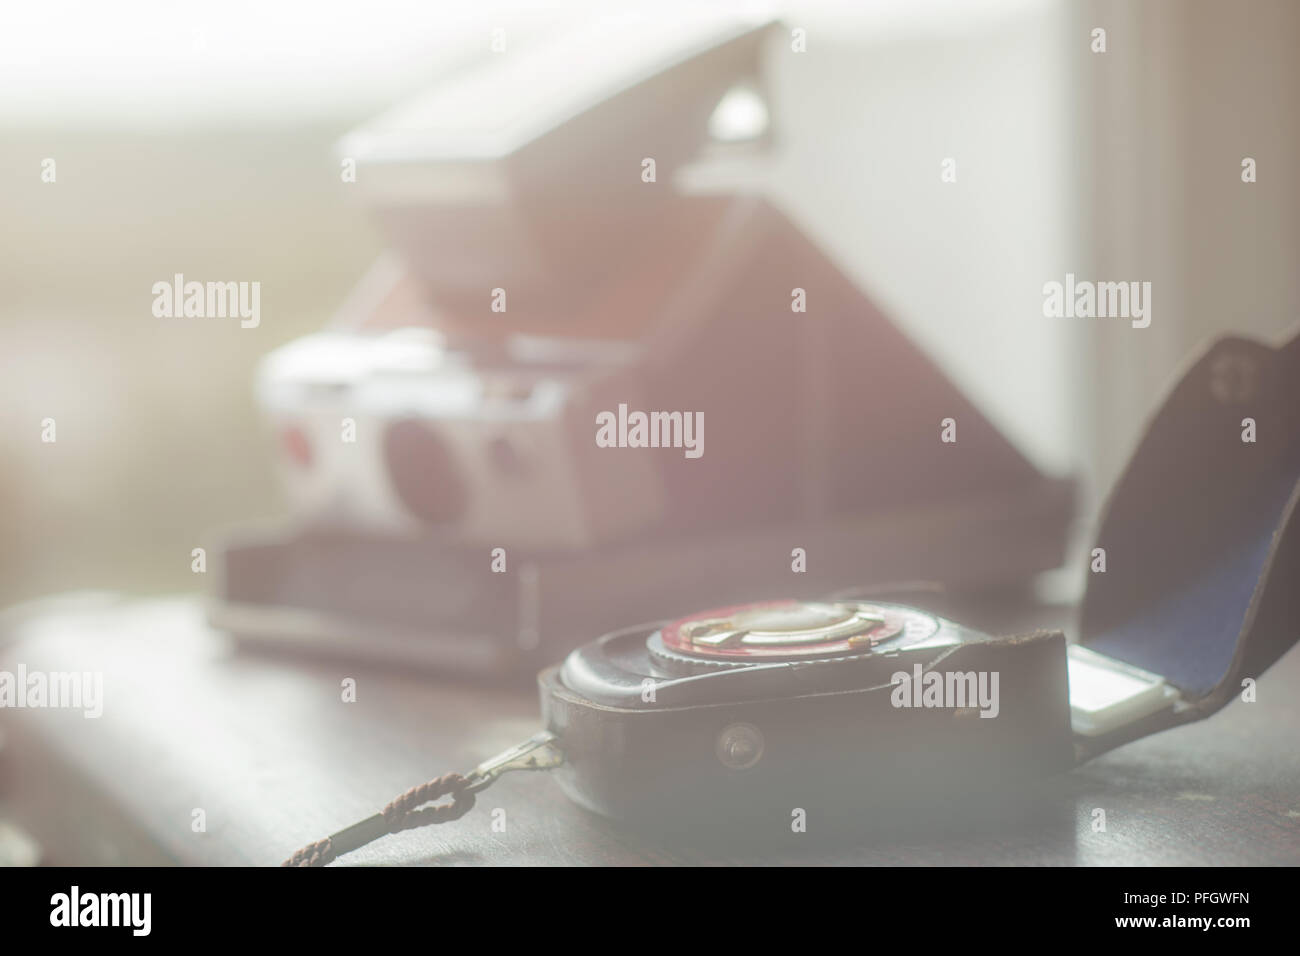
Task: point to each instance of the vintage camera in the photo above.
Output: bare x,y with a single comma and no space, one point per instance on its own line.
583,391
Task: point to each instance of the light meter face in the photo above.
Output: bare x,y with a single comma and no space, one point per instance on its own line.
667,722
787,631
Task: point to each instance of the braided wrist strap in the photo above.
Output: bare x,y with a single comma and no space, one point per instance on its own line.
405,812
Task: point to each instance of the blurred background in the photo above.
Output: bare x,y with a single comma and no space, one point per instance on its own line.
196,137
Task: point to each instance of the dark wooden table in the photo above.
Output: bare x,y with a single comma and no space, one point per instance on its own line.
274,758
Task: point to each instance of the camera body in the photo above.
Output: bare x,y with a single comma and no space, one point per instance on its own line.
727,410
585,390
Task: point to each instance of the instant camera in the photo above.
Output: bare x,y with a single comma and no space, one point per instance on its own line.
553,273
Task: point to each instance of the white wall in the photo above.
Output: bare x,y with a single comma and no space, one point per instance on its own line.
1187,89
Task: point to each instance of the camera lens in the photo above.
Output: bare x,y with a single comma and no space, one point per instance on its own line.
423,472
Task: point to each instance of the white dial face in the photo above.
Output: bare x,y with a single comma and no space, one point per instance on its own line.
794,623
786,629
